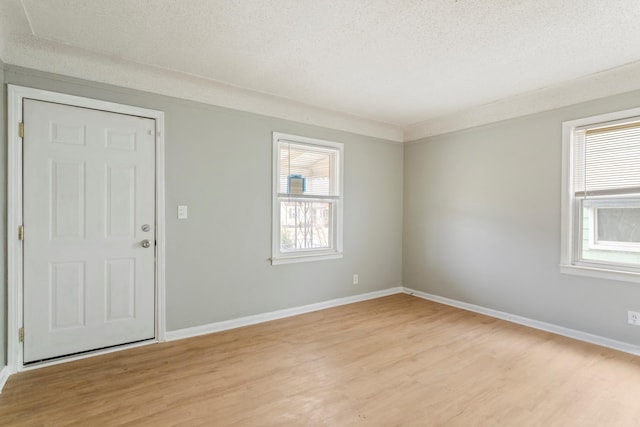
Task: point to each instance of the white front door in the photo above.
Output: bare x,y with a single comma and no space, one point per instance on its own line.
89,210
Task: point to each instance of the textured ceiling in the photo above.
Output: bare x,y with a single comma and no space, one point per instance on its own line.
394,62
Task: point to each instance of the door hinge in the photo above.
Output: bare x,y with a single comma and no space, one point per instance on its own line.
21,232
21,334
21,129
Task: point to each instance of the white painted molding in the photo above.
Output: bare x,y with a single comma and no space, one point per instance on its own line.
4,376
289,312
14,219
280,314
48,56
610,82
52,57
161,323
536,324
274,315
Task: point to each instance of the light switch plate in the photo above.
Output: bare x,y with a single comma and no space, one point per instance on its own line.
182,211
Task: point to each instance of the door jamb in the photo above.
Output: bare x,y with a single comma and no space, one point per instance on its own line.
15,96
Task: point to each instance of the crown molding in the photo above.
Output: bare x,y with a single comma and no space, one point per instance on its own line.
614,81
52,57
43,55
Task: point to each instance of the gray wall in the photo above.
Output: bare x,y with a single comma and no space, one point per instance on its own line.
3,220
481,217
482,224
218,162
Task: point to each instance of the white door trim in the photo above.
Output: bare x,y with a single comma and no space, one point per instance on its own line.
15,96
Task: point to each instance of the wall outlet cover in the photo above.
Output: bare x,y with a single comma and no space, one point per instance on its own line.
633,317
182,212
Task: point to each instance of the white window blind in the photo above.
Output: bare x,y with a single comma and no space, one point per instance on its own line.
314,166
607,159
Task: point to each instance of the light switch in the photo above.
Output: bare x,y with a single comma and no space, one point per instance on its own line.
182,211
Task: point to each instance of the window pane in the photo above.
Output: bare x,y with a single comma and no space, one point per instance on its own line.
613,224
305,225
618,224
306,169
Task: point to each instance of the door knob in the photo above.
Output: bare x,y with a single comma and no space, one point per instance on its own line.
146,243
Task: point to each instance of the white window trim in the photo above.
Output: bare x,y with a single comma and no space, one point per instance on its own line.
570,236
312,255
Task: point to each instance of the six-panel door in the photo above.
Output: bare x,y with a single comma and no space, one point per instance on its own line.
89,191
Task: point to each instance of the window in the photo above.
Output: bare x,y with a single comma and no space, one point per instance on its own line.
307,199
601,196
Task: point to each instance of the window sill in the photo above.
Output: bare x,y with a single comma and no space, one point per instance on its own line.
305,258
600,273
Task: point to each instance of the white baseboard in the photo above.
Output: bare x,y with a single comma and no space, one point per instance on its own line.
294,311
274,315
4,376
548,327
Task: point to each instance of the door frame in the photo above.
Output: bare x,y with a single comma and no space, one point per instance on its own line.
15,262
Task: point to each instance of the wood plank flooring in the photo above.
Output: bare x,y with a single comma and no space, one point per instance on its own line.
393,361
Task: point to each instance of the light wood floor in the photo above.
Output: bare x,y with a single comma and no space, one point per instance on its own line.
393,361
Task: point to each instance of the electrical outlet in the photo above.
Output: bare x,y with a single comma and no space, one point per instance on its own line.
634,318
355,280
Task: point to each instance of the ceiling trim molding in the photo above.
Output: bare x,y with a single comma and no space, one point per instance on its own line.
614,81
52,57
42,55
